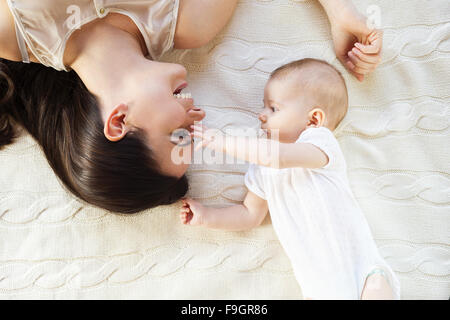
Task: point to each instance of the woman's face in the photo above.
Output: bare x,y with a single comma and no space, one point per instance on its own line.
160,113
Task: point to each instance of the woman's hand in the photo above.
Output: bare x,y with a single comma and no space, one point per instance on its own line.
356,45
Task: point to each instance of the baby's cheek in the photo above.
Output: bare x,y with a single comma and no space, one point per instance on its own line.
289,134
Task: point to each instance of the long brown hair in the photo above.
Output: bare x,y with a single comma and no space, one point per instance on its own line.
64,118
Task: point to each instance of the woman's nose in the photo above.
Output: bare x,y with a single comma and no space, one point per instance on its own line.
179,70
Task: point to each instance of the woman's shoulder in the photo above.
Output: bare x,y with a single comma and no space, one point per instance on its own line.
8,44
9,49
199,23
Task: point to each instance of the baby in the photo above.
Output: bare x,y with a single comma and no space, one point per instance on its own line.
314,213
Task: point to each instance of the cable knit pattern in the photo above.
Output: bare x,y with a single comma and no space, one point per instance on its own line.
395,139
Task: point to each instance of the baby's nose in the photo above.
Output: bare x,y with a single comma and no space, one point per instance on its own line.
262,117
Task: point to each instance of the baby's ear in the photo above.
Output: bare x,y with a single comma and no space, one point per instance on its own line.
316,117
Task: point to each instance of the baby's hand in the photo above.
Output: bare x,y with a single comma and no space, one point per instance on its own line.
192,212
211,138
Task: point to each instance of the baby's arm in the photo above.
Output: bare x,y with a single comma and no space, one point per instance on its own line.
303,155
240,217
270,153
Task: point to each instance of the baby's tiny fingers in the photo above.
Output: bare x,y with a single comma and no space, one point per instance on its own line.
199,146
368,49
198,134
197,128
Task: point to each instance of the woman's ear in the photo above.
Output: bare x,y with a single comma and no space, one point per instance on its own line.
316,118
116,126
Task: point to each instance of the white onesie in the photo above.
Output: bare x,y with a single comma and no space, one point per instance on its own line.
319,223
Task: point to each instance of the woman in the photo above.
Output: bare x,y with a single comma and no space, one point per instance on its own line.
106,126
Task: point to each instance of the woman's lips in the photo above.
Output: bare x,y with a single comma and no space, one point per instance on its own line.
194,109
194,114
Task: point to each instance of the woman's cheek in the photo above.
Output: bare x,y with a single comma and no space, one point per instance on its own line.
177,119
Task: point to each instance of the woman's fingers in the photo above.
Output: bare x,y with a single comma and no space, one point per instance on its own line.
360,66
362,63
345,60
357,62
369,58
351,67
366,57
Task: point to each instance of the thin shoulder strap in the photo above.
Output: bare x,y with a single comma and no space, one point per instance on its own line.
22,44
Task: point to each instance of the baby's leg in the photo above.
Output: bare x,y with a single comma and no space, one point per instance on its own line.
377,287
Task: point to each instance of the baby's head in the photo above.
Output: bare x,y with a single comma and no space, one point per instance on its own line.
302,94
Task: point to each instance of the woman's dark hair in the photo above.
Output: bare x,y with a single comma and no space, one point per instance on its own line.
64,118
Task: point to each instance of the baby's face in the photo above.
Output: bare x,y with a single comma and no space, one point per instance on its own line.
285,110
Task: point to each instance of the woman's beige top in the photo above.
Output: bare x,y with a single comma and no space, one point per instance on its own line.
46,25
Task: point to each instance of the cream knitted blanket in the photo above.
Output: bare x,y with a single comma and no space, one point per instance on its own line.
396,140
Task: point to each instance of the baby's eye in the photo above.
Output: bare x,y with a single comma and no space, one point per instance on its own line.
273,109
